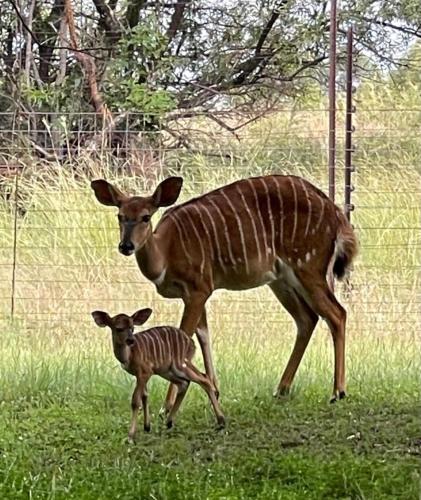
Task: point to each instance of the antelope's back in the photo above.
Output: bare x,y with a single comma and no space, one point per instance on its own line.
163,345
245,226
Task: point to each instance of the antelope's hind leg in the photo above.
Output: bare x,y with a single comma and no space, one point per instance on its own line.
305,319
182,386
203,380
325,304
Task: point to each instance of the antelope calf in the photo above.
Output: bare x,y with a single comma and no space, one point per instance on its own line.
164,351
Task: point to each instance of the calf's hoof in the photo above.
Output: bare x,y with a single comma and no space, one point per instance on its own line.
147,428
221,422
169,424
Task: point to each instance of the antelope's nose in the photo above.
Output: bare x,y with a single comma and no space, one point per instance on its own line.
126,248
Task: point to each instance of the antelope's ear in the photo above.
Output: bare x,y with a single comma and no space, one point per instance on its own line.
167,192
141,316
101,318
107,194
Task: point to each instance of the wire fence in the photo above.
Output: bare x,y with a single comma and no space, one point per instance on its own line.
58,246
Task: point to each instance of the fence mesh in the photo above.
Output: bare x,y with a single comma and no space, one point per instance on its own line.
58,246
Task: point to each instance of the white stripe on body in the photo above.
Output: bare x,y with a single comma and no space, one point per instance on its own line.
168,350
218,248
181,236
308,205
322,211
259,214
159,346
231,256
256,239
177,352
152,350
281,206
272,226
294,228
202,250
240,229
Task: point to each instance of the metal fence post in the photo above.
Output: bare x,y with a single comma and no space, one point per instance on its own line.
349,129
332,99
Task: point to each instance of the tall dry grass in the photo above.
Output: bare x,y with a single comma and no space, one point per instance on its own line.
67,262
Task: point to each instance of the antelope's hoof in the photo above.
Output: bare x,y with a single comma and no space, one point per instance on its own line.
147,428
131,439
221,423
169,424
281,392
338,395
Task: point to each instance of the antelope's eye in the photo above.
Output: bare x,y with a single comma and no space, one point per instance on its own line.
146,218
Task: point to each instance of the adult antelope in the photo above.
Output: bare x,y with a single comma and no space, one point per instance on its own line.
277,230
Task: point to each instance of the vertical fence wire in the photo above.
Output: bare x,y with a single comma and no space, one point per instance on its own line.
15,247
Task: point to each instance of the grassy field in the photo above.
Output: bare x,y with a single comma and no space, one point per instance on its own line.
64,401
65,413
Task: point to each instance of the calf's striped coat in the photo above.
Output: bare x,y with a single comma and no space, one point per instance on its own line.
277,230
164,351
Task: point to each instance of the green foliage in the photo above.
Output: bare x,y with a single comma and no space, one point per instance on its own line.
65,97
131,79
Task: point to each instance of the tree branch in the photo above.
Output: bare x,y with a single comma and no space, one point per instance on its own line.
87,63
402,29
269,25
107,20
132,12
259,58
176,19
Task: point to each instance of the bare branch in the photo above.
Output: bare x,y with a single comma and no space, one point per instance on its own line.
176,18
87,62
132,12
28,55
402,29
63,53
269,25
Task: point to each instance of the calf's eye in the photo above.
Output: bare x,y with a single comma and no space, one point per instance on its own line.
146,218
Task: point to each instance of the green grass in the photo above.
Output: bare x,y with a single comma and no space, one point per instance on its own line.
65,414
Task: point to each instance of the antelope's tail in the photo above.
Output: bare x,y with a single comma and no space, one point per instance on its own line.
346,248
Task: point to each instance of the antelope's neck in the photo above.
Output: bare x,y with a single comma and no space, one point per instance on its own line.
122,352
151,258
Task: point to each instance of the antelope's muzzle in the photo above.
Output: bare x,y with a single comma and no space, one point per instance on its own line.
126,247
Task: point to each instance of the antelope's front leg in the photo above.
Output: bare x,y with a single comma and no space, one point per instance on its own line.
205,344
139,396
193,309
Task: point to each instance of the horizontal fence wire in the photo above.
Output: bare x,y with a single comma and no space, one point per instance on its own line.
67,262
